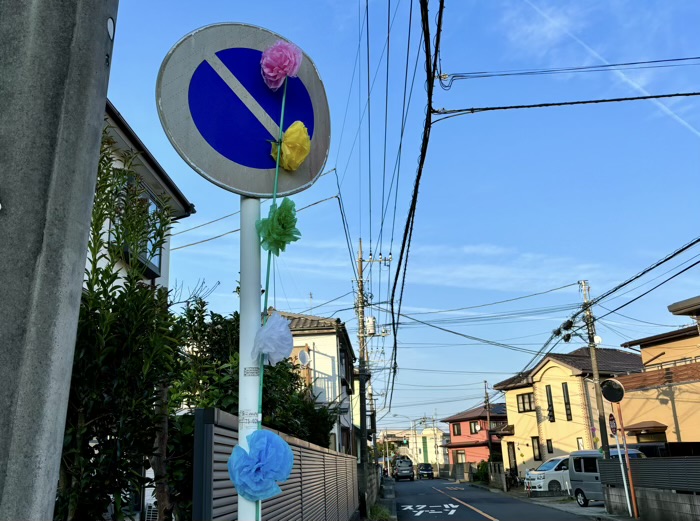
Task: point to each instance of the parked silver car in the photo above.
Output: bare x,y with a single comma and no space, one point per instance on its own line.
584,475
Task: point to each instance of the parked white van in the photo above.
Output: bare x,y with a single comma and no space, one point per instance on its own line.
585,477
552,475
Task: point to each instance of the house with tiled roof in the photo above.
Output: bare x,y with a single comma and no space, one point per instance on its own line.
470,432
551,408
323,350
661,404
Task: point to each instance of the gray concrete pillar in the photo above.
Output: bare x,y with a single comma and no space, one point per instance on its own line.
54,67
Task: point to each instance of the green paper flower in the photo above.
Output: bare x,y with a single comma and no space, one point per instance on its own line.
279,228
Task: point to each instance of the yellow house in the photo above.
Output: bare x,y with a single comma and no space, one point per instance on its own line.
661,404
551,408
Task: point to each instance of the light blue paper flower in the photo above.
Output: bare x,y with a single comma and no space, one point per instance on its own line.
255,473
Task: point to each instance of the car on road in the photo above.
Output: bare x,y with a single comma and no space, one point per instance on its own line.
551,476
425,470
585,477
403,469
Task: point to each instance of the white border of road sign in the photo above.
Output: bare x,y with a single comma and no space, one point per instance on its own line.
172,90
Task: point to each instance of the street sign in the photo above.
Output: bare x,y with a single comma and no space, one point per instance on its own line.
221,117
613,391
613,425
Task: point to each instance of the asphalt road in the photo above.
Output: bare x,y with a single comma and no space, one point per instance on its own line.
440,499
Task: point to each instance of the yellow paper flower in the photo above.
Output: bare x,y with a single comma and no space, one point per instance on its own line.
296,145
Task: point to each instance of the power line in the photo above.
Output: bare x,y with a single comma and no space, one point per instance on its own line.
649,290
369,132
238,229
637,319
451,113
646,270
430,69
495,303
649,64
228,215
328,302
206,223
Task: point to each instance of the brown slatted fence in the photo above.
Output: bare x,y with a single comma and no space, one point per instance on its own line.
321,487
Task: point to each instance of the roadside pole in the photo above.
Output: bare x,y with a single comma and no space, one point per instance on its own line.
249,367
627,460
55,59
613,429
362,474
590,326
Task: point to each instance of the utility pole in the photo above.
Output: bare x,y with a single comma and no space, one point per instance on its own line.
435,442
590,326
487,406
55,63
363,384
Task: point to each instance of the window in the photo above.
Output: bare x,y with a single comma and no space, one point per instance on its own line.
550,447
526,402
589,465
461,457
457,429
474,427
567,401
550,404
536,448
579,441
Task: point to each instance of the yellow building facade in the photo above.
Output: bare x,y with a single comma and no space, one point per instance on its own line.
662,404
552,410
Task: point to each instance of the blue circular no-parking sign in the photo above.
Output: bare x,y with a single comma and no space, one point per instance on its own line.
221,117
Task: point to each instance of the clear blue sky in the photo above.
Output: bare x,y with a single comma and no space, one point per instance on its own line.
511,203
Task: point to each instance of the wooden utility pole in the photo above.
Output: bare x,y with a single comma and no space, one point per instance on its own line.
487,406
362,474
590,326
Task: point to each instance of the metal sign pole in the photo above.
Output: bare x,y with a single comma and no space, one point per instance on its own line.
627,460
624,477
248,367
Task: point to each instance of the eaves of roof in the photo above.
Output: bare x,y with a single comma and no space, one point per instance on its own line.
146,155
664,338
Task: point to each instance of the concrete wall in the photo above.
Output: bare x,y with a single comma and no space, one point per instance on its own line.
654,505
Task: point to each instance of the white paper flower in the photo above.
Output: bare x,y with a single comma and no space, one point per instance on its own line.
274,339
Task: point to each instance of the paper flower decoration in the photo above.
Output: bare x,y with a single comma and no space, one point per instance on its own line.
255,473
279,62
274,339
296,145
279,228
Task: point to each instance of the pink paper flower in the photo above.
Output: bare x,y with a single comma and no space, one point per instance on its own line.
280,61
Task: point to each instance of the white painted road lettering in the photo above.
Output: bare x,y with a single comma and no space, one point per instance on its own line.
419,510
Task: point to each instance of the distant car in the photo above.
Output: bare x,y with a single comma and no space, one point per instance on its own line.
551,475
425,470
403,469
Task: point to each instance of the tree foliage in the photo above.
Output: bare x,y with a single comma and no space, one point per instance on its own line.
124,348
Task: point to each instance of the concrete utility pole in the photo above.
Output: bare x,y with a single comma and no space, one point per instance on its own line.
590,326
487,406
55,59
362,474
